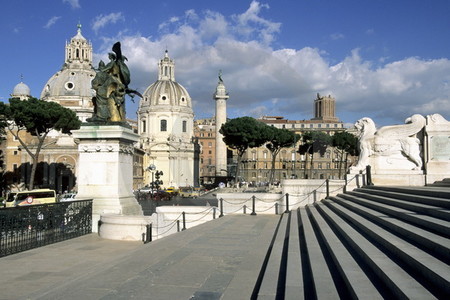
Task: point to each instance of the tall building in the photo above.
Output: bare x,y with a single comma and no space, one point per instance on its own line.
205,134
221,97
325,108
165,126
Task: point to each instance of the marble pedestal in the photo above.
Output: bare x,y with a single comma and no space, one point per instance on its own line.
437,148
105,174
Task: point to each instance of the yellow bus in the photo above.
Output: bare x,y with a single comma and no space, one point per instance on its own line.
33,197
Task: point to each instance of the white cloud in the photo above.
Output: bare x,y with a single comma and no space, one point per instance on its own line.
337,36
73,3
51,22
262,80
103,20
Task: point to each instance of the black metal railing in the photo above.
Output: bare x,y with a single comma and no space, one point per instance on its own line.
28,227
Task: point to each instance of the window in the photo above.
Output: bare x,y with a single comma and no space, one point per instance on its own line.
15,152
15,167
254,155
209,152
253,174
293,156
184,126
163,125
328,165
209,145
265,155
311,125
319,166
144,126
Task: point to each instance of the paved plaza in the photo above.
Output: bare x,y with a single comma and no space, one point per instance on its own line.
219,259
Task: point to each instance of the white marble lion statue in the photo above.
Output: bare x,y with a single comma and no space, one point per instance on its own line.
389,142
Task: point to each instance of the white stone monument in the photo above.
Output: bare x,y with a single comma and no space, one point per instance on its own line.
393,152
437,148
105,174
416,153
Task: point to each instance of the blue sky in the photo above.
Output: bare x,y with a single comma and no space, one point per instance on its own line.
382,59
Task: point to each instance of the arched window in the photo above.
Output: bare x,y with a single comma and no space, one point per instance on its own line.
163,125
184,126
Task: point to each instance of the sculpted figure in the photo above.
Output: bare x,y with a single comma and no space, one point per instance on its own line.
111,86
389,142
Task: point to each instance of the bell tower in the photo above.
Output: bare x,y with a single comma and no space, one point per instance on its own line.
78,51
325,108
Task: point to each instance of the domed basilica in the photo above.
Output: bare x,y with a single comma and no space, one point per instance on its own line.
165,122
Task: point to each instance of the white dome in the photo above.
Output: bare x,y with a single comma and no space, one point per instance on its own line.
69,82
166,93
21,89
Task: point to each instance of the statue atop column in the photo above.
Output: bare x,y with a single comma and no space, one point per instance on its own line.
111,85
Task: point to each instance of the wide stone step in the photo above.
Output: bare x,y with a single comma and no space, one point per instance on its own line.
430,210
399,282
270,285
434,244
294,275
423,191
357,283
320,273
426,269
429,223
434,201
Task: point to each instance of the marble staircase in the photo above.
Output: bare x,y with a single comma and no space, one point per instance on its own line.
370,243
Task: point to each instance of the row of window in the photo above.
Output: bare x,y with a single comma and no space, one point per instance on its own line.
335,125
163,125
302,165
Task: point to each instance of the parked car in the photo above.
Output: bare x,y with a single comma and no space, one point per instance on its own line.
186,192
172,190
67,197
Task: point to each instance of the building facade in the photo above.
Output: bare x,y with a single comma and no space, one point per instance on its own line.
166,129
256,162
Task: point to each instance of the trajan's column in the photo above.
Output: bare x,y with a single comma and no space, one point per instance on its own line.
221,97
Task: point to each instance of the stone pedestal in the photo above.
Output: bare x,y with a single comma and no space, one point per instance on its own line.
437,148
105,171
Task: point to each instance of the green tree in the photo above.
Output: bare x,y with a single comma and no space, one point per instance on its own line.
38,118
346,144
243,133
279,138
313,142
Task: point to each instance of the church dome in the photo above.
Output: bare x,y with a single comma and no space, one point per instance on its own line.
21,89
69,82
166,91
